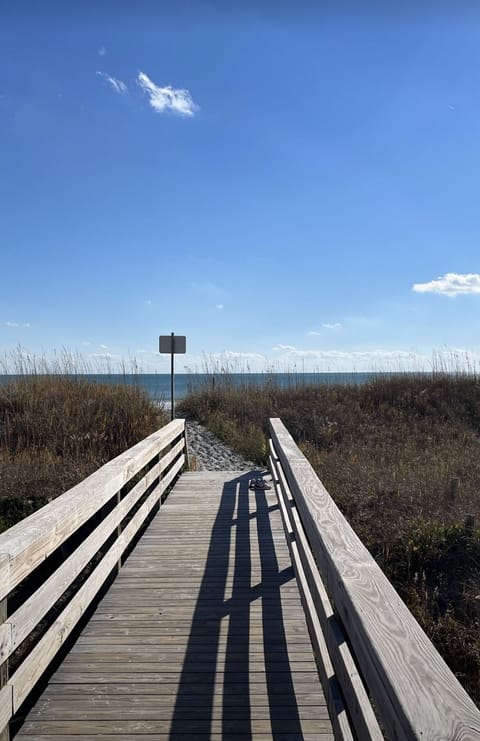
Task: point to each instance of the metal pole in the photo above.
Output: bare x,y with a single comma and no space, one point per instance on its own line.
171,381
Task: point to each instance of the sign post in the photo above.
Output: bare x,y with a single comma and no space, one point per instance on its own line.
174,345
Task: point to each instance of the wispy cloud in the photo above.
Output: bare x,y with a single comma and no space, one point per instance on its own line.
167,98
117,85
102,52
351,358
17,324
284,348
233,355
451,284
335,325
219,306
104,347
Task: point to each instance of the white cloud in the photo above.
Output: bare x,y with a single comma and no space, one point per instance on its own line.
102,52
451,284
354,358
226,355
167,98
284,348
335,325
17,324
104,347
117,85
232,355
219,306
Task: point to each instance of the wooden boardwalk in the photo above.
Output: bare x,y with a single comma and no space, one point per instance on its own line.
201,636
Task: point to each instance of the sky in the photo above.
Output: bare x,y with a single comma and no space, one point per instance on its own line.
291,185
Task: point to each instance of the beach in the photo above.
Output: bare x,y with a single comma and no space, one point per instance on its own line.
208,453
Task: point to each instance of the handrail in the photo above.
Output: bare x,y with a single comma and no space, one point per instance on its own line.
61,555
413,691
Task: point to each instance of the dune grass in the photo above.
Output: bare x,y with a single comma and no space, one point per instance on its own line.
401,457
56,429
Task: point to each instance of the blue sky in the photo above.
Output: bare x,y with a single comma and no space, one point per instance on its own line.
285,186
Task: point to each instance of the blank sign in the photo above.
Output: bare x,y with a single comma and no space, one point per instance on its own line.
178,346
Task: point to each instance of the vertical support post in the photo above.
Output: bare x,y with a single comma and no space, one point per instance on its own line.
119,532
4,732
172,384
187,457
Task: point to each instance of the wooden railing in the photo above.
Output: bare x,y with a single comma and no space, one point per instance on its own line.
53,563
370,650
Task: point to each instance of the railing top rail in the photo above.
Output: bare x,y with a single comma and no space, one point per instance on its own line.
416,694
30,541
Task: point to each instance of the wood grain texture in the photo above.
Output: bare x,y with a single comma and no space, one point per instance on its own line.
22,622
415,693
319,607
335,701
6,701
6,706
32,540
30,671
204,637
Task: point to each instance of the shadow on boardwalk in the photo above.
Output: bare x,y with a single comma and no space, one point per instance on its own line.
226,637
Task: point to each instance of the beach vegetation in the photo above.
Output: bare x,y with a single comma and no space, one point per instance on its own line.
400,456
57,427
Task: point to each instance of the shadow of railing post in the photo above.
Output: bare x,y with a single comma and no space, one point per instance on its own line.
231,534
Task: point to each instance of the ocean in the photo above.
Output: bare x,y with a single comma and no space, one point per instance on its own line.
157,385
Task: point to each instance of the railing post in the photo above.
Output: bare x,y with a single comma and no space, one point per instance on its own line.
402,669
187,458
5,732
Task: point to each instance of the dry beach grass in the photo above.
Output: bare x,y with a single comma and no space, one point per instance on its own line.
56,429
400,456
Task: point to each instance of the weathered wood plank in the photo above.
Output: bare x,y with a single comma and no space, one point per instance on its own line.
32,540
30,613
189,726
127,709
199,637
70,675
6,710
305,694
329,640
28,673
335,701
287,736
5,692
404,672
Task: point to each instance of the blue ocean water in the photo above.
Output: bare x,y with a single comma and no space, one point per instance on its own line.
157,385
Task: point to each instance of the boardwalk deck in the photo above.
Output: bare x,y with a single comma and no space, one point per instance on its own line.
202,634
